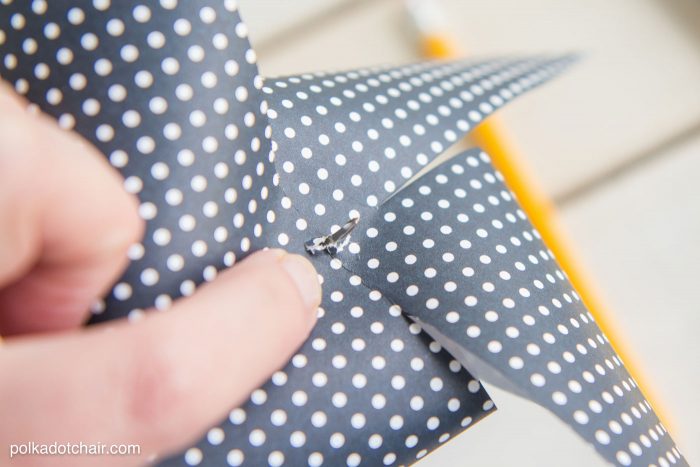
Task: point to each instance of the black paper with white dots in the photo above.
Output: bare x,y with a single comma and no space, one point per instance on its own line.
440,275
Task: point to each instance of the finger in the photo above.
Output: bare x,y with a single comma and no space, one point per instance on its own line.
66,222
162,381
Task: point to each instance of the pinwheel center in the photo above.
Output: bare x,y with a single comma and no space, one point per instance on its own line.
334,242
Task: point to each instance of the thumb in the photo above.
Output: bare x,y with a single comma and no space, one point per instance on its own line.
162,381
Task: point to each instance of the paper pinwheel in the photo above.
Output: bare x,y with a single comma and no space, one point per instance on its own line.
442,281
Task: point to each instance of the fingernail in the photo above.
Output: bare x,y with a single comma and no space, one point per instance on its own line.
305,278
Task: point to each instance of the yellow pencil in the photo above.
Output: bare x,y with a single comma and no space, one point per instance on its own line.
492,137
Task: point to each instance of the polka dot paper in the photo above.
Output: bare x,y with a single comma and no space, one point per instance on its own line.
443,281
459,255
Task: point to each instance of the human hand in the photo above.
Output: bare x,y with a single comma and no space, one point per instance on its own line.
66,223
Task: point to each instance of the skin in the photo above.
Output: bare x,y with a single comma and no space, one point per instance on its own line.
66,224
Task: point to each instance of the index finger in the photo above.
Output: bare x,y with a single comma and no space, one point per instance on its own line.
67,222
